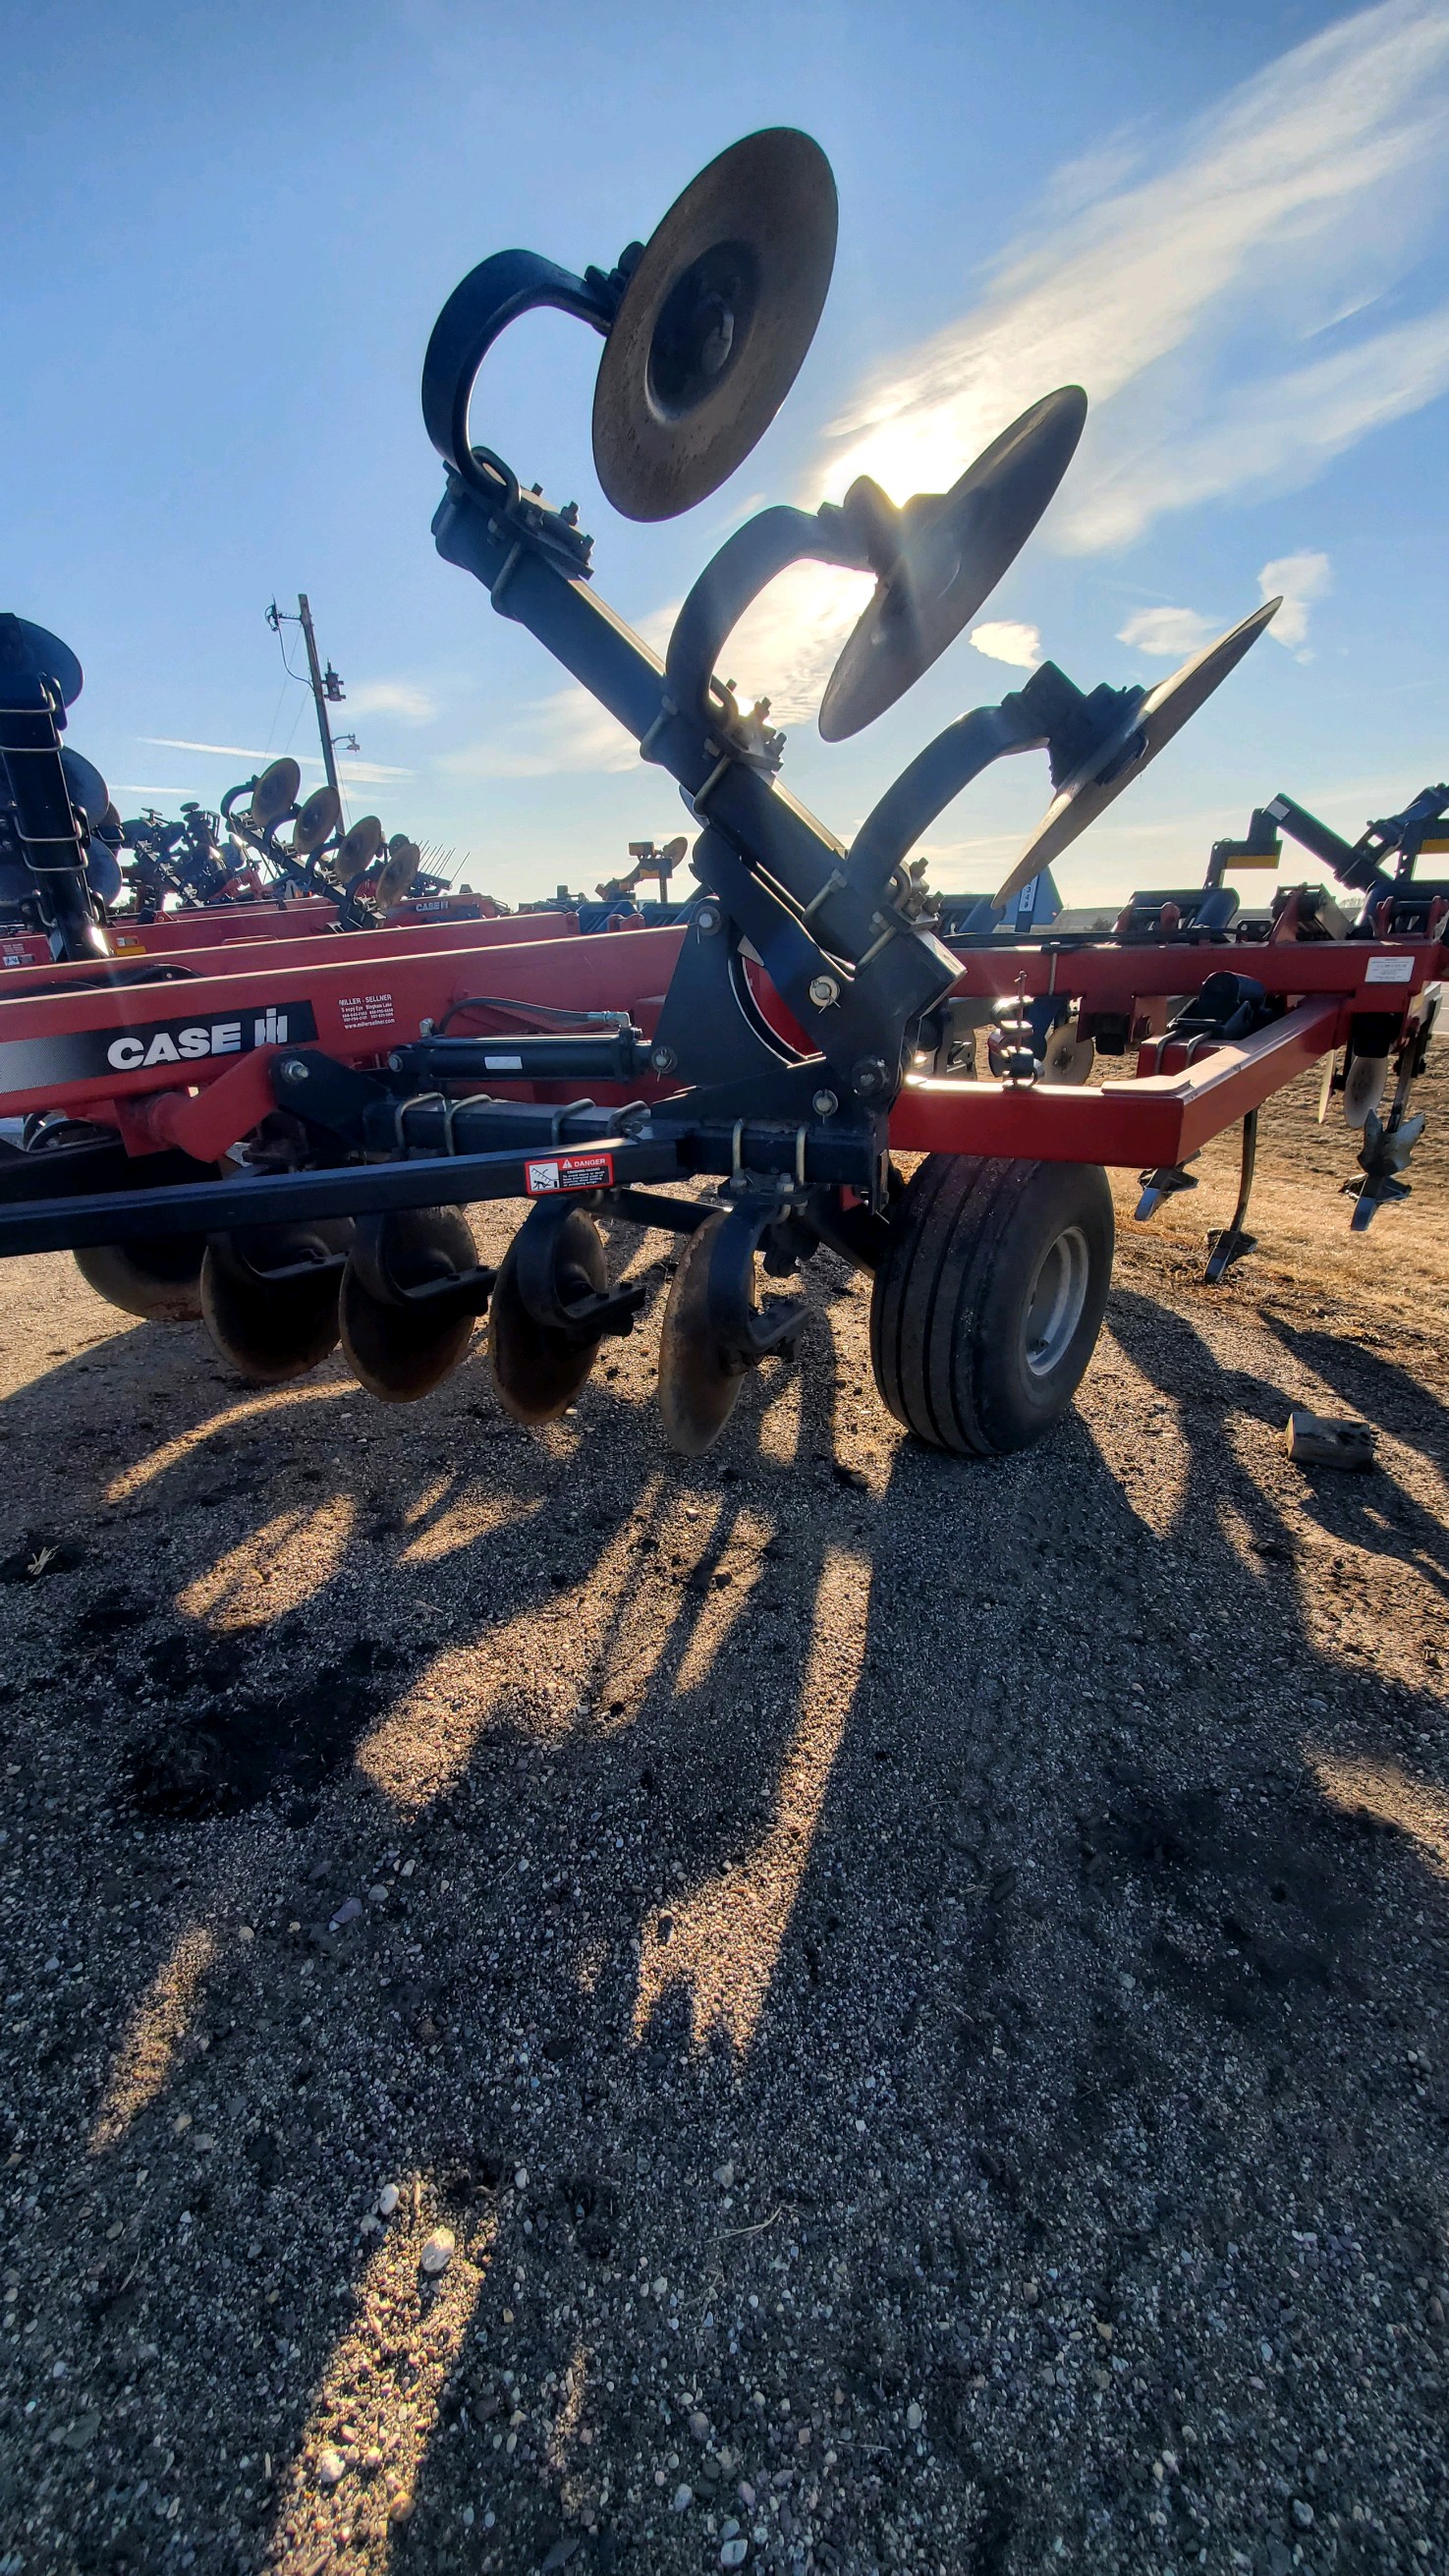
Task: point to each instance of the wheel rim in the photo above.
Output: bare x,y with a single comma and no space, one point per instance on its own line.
1054,1307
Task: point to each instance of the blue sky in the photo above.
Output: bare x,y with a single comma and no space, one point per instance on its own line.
239,222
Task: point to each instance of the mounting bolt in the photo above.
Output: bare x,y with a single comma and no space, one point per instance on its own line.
870,1076
294,1070
663,1059
707,920
825,1104
823,991
425,1028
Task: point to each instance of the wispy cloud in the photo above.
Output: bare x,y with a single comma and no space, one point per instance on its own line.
1173,633
401,698
566,731
1007,639
1180,288
354,773
1298,580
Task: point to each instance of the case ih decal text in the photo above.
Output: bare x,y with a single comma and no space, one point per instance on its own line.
82,1054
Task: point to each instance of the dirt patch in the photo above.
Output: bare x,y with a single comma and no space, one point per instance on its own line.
905,1999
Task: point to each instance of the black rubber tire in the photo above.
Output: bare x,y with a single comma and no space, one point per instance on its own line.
159,1279
967,1246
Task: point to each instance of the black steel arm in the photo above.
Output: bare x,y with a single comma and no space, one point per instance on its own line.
490,297
745,565
932,781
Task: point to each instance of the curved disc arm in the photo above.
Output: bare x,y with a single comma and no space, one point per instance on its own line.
490,297
930,783
745,565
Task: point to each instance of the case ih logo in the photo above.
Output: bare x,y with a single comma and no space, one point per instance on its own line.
182,1041
91,1055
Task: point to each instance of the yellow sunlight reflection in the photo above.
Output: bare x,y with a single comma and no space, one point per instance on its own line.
422,1744
171,1452
1382,1789
143,2060
435,1533
354,2481
724,1939
286,1561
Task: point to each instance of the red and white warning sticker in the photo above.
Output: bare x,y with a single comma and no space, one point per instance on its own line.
568,1172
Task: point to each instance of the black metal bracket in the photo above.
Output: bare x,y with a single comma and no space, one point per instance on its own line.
542,1281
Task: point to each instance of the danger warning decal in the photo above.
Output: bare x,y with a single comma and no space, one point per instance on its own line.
83,1054
568,1172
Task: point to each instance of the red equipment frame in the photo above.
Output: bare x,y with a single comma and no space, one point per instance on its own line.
360,996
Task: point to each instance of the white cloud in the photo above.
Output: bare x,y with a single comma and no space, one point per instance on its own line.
398,698
1299,580
1179,294
566,731
354,773
1172,633
1006,639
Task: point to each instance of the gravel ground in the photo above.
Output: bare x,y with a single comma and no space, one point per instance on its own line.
911,1990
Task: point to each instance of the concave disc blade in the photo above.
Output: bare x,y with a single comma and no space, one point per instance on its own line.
697,1392
399,1350
538,1370
160,1280
360,846
316,819
403,862
714,324
1161,714
271,1329
955,548
87,788
35,649
275,793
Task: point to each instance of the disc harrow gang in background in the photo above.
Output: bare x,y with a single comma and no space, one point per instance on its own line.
275,794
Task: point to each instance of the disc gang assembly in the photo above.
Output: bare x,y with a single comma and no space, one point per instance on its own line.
273,1113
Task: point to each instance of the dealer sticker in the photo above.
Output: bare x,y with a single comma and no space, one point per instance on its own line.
568,1172
366,1011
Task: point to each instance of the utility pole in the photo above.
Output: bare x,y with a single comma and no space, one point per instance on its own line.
323,689
326,686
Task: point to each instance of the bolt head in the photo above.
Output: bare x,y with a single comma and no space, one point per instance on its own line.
823,991
870,1076
825,1104
663,1059
295,1070
707,920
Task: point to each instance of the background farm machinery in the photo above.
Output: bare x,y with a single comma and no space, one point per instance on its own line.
282,1137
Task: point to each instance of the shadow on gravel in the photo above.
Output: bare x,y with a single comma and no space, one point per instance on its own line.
912,2059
